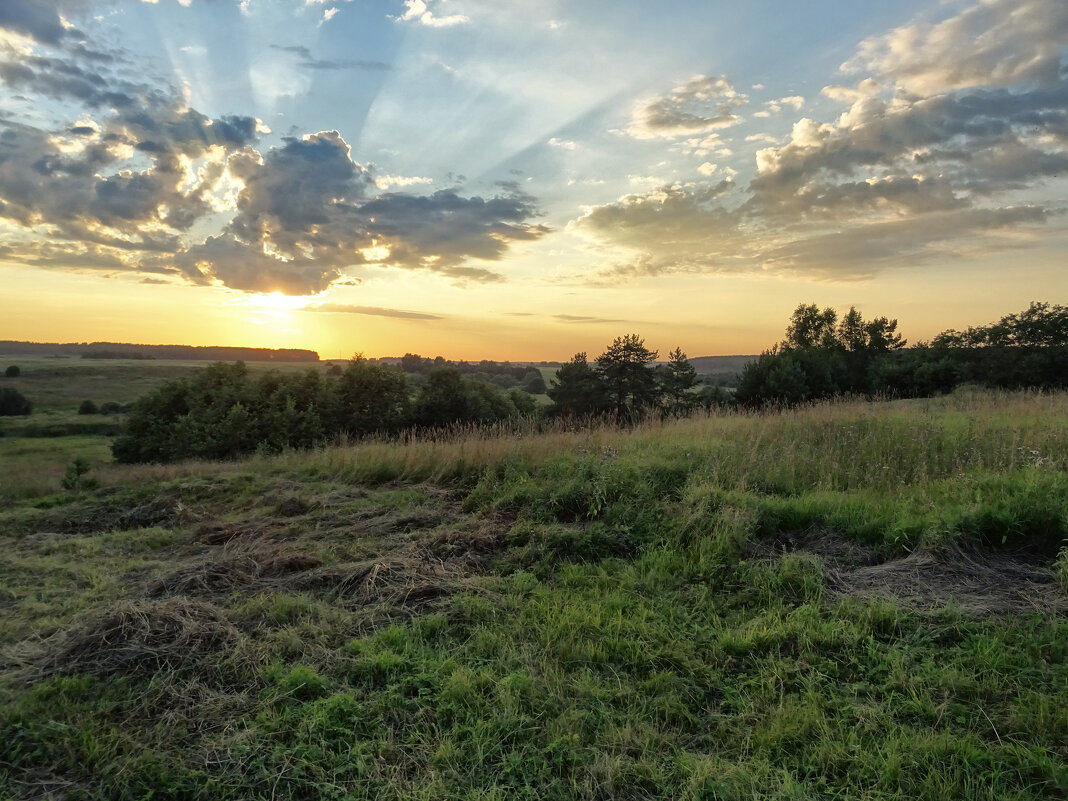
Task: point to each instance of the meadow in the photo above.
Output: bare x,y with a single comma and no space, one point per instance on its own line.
849,600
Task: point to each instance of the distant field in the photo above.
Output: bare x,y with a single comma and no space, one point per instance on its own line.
60,384
721,364
847,601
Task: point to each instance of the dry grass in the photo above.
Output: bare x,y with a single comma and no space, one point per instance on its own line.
135,636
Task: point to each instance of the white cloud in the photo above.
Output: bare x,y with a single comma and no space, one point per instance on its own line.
418,11
700,105
991,43
562,143
386,181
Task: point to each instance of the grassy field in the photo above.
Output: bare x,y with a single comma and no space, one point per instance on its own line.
849,601
57,385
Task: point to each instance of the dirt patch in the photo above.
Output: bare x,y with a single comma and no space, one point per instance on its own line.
133,636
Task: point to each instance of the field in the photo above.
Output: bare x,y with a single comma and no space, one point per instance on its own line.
847,601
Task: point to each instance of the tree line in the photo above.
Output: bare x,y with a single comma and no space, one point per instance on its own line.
223,410
823,357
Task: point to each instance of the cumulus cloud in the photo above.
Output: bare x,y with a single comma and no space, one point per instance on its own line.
419,11
995,43
671,229
41,20
308,211
928,159
124,186
701,104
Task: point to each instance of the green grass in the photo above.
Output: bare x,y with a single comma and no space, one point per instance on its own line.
850,601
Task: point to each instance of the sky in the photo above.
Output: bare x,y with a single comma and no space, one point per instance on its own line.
525,180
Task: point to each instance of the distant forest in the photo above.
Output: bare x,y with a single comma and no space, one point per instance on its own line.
225,410
126,350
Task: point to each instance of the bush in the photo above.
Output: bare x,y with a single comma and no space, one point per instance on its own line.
12,402
12,372
88,407
111,407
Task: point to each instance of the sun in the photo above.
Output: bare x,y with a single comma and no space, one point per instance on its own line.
276,301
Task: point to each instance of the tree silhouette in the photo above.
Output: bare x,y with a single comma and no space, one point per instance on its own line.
625,368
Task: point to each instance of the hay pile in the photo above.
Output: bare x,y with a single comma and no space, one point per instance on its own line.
979,582
136,636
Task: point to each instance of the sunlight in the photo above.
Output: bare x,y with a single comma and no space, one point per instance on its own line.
276,301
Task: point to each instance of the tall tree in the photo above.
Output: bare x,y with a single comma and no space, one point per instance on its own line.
852,335
811,328
577,390
676,380
628,377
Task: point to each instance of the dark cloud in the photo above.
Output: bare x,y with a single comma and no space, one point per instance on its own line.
308,61
81,190
38,19
65,79
375,311
307,213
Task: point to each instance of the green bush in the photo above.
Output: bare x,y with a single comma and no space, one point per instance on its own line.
12,372
12,402
88,407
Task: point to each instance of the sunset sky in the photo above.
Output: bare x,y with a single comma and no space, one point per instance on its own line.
525,179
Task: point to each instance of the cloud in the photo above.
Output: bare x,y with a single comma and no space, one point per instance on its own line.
387,181
700,105
341,308
938,154
307,212
582,318
862,251
995,43
775,106
124,186
418,11
308,61
562,143
41,20
670,229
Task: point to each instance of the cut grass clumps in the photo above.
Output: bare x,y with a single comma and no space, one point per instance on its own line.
859,602
136,637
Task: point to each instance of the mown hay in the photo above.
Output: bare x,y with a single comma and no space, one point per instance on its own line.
407,582
207,577
979,582
135,636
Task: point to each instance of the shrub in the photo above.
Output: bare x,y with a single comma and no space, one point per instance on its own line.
12,402
88,407
12,372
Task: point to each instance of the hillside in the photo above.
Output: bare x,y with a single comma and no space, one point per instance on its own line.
850,601
126,350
